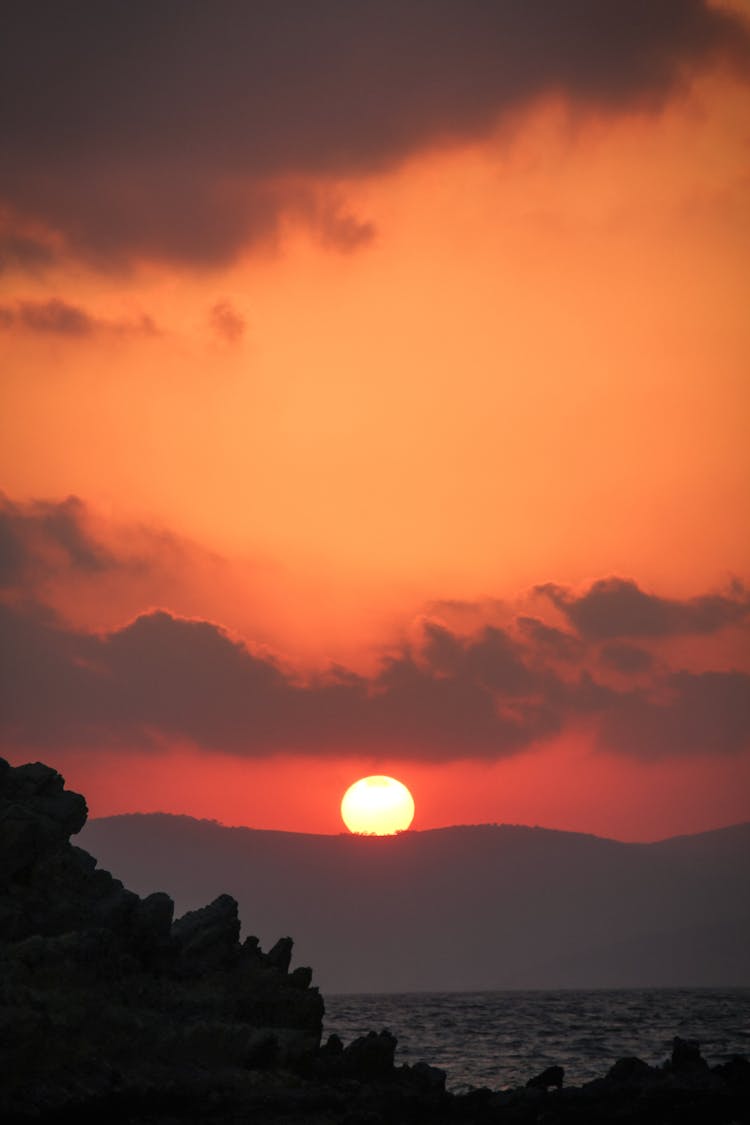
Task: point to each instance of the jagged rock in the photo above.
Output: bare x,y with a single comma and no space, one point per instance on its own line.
37,814
370,1056
152,918
686,1056
280,955
631,1071
301,977
735,1072
96,982
251,949
552,1076
48,886
208,938
430,1078
333,1047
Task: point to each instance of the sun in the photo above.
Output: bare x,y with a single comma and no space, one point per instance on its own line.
377,806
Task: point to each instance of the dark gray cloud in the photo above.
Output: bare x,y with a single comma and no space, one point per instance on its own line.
19,251
44,537
52,317
339,228
490,657
698,713
554,642
55,317
180,129
166,678
625,658
617,607
482,692
226,322
163,679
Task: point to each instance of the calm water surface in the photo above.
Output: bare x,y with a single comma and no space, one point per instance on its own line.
500,1039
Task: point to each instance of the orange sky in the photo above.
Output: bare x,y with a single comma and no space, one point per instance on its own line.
534,370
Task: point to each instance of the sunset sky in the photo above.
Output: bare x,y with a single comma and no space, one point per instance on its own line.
375,400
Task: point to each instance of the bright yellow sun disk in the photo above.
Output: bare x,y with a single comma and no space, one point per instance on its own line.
377,806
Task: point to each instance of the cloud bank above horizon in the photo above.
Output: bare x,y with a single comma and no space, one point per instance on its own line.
593,658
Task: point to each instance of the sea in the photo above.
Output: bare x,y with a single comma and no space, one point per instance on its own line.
501,1039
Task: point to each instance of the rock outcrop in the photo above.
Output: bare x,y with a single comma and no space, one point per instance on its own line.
102,991
552,1076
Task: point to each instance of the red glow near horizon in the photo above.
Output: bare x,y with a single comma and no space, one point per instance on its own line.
339,459
617,799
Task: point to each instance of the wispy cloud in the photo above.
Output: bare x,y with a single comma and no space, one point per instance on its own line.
55,317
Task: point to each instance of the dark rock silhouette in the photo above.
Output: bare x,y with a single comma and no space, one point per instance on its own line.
552,1076
91,972
686,1056
371,1056
631,1071
207,939
112,1011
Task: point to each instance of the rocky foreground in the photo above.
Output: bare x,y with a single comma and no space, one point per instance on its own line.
112,1011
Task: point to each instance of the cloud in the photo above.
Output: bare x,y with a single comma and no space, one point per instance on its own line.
56,317
625,658
98,572
20,251
337,226
555,642
185,132
617,607
163,679
479,691
491,657
700,713
44,537
227,323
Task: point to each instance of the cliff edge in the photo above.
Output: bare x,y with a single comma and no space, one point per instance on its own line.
104,992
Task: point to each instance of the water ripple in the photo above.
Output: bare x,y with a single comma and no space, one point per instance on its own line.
500,1039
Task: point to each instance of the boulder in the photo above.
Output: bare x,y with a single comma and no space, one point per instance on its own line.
332,1048
631,1071
735,1073
552,1076
686,1056
370,1056
152,918
37,815
429,1078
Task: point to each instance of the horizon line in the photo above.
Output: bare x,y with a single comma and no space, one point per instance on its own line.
345,834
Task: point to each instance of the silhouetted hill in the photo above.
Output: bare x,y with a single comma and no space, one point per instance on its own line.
477,907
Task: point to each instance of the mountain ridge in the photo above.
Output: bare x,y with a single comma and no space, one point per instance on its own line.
465,907
737,826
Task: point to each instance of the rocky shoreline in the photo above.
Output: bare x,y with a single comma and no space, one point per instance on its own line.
111,1010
